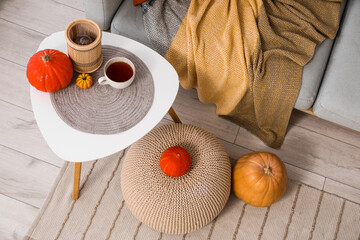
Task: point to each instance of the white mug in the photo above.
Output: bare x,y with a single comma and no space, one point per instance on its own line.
119,85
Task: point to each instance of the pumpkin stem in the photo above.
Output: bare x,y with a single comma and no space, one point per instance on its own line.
46,57
267,170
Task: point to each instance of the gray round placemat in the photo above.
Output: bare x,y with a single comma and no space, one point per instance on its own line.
102,109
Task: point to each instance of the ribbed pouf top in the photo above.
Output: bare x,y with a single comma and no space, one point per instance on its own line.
183,204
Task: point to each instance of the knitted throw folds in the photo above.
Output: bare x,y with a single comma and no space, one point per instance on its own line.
244,56
182,204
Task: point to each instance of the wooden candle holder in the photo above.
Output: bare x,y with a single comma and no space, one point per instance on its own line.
83,38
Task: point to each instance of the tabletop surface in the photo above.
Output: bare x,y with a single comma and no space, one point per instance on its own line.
76,146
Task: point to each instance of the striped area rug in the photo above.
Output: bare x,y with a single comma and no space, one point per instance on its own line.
101,213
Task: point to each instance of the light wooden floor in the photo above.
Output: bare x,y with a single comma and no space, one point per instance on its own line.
316,152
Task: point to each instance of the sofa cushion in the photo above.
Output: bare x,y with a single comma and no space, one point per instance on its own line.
313,73
339,96
102,12
128,22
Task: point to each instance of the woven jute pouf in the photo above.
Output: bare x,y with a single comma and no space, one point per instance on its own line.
183,204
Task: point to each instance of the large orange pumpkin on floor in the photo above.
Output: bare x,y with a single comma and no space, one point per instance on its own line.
175,161
49,70
259,178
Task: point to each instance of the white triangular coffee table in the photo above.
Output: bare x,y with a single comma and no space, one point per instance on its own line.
76,146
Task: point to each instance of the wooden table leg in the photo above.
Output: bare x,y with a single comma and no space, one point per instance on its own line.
174,116
76,185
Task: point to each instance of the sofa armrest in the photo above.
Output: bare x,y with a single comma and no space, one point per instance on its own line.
338,99
101,11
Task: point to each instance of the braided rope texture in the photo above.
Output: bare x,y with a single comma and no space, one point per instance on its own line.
102,109
183,204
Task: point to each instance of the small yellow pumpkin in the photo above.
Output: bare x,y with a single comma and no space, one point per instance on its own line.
84,80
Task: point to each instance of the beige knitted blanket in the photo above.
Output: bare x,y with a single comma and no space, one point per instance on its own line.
246,56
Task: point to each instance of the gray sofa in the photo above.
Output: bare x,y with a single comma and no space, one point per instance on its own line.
331,80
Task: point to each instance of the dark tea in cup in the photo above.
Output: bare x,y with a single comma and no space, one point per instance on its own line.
119,71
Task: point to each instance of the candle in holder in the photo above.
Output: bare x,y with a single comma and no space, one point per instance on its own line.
83,38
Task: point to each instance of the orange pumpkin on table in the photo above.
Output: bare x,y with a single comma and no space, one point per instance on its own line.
49,70
175,161
259,178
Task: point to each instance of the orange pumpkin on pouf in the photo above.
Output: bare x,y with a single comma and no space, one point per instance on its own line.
49,70
259,178
175,161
